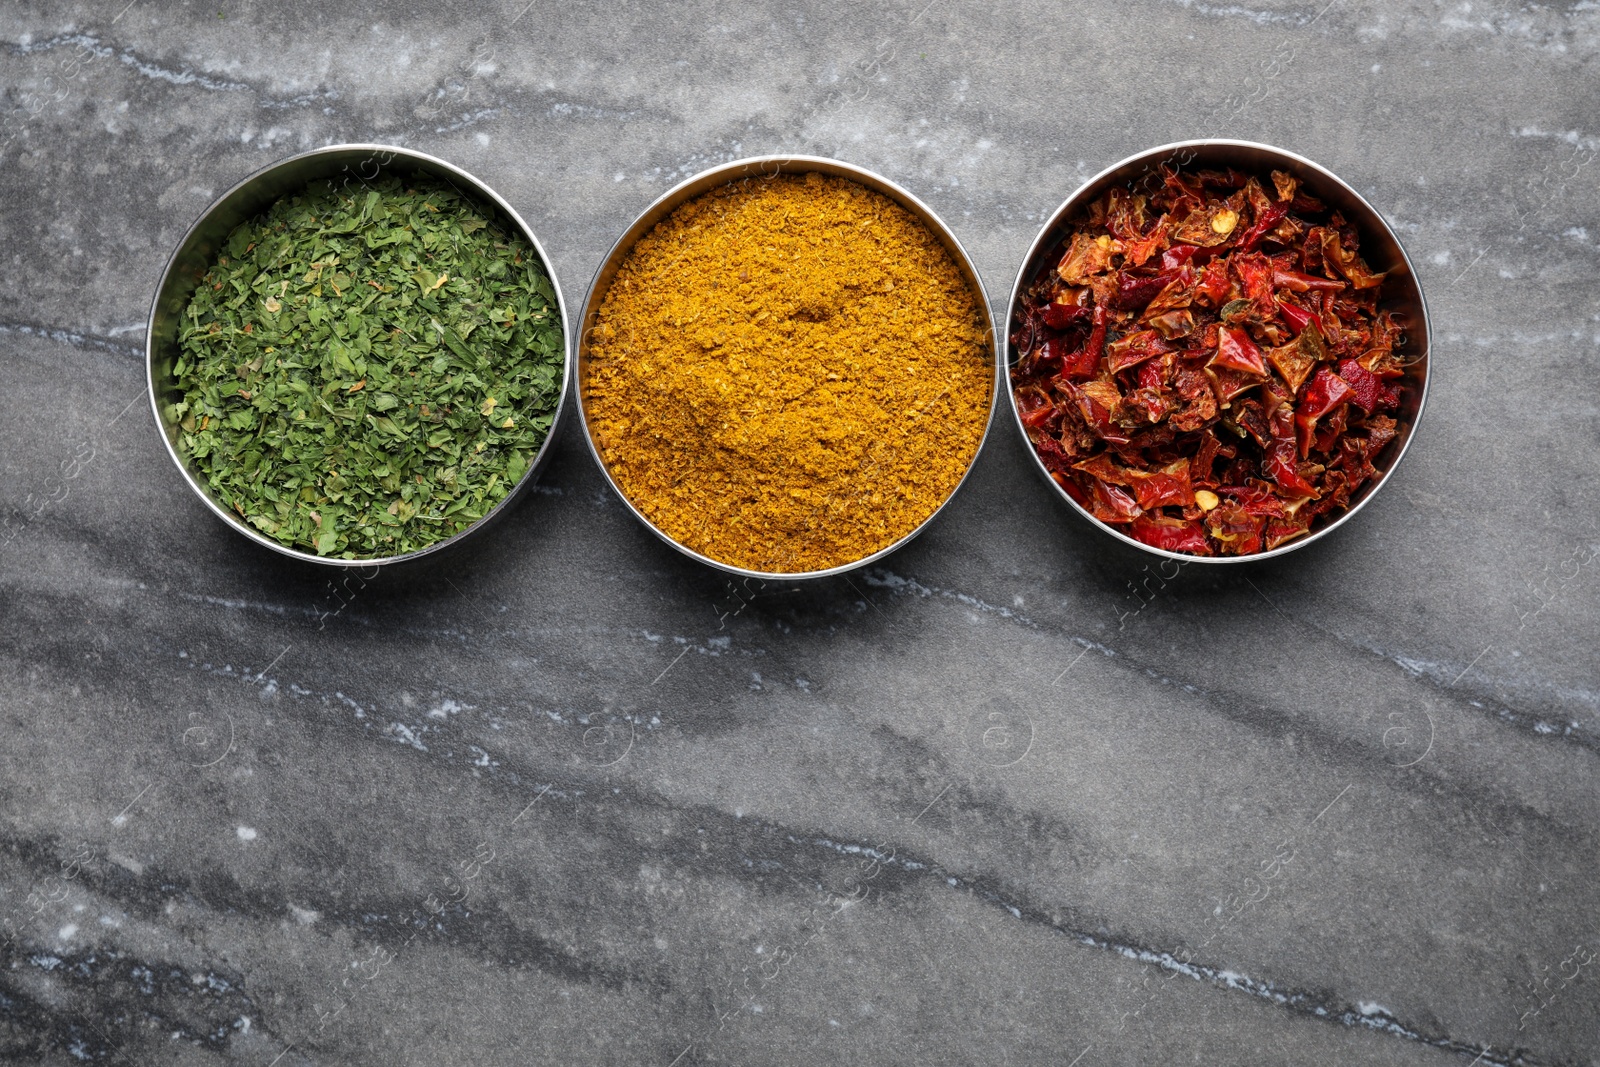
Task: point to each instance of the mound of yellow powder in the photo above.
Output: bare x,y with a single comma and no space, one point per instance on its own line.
788,374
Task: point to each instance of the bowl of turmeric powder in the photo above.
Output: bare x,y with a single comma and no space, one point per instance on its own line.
787,367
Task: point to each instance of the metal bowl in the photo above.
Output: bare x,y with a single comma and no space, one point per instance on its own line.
1402,295
759,167
197,252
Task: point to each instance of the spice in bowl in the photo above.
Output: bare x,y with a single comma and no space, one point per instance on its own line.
367,372
789,374
1207,367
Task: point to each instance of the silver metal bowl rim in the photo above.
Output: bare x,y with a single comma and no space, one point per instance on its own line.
660,208
534,464
1150,156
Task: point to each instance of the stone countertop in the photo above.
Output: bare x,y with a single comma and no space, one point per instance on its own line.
982,803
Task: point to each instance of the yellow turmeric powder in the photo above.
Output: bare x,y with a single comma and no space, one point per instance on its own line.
789,374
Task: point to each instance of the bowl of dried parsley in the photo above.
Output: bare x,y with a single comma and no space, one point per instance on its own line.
358,355
787,367
1218,351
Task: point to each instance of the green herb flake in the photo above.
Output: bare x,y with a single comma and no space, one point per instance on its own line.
365,374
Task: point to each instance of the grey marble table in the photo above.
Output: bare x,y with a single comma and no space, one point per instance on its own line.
979,804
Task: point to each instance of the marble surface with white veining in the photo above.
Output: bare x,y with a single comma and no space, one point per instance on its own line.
1011,796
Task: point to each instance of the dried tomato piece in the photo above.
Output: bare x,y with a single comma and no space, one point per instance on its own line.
1125,216
1383,363
1306,205
1047,358
1200,407
1036,408
1152,375
1182,190
1227,178
1148,405
1033,418
1336,489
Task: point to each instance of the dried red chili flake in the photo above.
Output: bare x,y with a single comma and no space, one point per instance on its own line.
1206,366
1235,351
1174,535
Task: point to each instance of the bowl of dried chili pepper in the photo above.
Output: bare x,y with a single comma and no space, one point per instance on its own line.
358,355
786,367
1218,351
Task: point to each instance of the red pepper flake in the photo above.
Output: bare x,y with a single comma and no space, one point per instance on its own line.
1065,314
1133,349
1267,218
1298,317
1165,488
1366,390
1088,362
1032,418
1294,281
1236,351
1214,284
1206,366
1325,392
1174,535
1111,504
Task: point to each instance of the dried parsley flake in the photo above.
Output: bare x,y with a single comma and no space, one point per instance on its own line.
365,373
